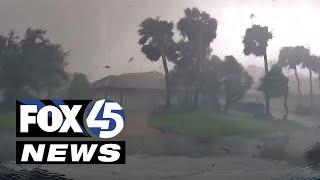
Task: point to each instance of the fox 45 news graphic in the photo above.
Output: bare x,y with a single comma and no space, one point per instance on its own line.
101,119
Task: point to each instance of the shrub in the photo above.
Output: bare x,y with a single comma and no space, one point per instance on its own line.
313,155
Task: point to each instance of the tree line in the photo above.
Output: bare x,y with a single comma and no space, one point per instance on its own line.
34,67
197,71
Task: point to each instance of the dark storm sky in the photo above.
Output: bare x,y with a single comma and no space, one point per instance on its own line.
104,32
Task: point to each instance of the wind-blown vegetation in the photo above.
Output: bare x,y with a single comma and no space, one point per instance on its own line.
156,41
200,30
256,42
198,72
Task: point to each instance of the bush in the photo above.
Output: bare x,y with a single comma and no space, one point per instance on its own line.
79,88
313,155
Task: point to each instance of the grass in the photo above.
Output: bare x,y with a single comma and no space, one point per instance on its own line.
7,120
207,123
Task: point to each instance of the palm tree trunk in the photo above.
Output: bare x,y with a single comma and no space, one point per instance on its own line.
197,85
198,69
285,105
298,82
267,98
311,87
167,79
227,104
319,85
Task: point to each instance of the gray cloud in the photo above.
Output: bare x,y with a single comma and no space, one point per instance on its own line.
104,32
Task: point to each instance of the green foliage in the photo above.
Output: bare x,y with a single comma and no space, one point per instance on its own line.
205,122
211,76
310,62
30,67
275,83
316,67
214,74
80,87
183,74
156,39
197,26
293,56
237,81
256,40
200,30
313,155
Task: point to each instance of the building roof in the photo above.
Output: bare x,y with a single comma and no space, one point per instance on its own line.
144,80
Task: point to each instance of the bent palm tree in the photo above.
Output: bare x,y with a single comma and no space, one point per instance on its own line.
310,63
316,69
255,42
291,57
156,42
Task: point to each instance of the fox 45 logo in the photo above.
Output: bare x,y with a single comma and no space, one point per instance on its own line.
103,119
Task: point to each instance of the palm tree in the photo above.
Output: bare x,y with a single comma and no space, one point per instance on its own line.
255,42
291,57
200,29
310,63
316,69
156,41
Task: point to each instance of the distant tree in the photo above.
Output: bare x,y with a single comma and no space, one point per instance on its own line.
276,84
236,81
316,69
310,62
11,77
255,42
291,57
46,62
156,41
30,67
200,29
79,88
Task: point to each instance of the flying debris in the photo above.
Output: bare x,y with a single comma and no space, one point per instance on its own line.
252,16
225,149
131,59
259,146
